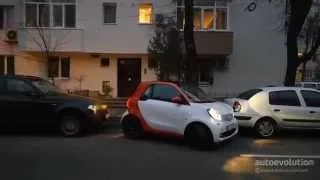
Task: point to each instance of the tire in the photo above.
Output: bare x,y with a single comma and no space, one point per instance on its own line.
71,126
199,136
131,128
265,128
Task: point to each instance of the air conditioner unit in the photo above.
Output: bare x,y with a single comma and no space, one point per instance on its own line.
11,36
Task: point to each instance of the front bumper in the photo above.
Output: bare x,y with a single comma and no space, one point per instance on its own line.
98,117
225,130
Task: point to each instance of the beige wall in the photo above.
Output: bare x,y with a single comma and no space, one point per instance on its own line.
82,65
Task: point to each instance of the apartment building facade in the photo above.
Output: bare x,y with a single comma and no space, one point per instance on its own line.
98,42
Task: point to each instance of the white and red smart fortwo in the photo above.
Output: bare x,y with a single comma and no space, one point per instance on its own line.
168,109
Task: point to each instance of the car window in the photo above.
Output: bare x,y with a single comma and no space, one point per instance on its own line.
147,93
2,88
284,98
310,85
246,95
164,92
18,86
311,98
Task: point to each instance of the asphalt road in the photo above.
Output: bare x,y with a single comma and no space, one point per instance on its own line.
109,156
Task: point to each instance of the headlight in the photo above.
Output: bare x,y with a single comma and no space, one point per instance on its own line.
95,108
214,114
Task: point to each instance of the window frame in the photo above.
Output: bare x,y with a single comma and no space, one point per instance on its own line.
152,13
275,91
6,64
162,99
113,4
60,64
203,8
304,99
51,5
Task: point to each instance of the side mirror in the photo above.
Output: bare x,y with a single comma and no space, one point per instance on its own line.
178,100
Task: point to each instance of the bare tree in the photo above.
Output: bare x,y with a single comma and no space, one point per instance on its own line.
310,39
296,15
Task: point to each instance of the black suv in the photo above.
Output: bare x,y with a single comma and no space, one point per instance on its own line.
29,100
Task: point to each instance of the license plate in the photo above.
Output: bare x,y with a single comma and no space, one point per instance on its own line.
229,127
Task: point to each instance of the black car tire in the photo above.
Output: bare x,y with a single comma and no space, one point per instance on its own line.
269,125
131,128
199,136
71,126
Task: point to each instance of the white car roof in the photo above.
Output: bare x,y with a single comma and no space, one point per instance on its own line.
283,88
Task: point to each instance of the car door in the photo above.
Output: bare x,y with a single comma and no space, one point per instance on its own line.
4,111
160,112
20,103
286,107
311,108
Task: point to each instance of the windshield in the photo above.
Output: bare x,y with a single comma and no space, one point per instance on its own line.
46,87
195,94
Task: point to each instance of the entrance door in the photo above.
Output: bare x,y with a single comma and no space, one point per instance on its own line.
129,76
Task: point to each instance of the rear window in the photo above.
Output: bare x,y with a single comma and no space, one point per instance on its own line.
246,95
284,98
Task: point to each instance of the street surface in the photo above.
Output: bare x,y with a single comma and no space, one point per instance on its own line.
107,155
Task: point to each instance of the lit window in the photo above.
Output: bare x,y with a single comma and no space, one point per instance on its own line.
145,13
209,15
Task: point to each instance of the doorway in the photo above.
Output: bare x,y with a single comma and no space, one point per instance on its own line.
129,76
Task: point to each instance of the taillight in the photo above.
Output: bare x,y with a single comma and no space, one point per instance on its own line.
236,106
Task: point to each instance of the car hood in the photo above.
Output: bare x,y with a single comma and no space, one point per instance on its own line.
74,98
221,107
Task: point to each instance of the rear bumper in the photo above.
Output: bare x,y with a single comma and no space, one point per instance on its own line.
247,120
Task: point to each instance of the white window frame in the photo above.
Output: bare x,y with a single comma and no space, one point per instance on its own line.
103,12
6,63
60,68
214,8
51,22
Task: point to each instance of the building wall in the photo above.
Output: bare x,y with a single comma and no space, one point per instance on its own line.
93,36
259,53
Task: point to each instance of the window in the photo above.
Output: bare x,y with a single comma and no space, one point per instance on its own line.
284,98
59,67
145,13
1,17
209,15
104,62
7,65
311,98
110,13
164,92
65,67
205,71
246,95
148,93
18,86
50,13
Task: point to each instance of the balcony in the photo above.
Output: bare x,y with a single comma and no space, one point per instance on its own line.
52,39
212,43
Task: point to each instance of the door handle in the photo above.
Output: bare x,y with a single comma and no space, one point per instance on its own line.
276,110
312,112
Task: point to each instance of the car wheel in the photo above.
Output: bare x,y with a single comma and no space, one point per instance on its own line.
71,126
131,128
266,128
199,136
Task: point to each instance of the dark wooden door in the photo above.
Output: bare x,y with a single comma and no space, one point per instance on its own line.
129,76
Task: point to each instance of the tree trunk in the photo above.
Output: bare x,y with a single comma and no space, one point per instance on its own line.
191,74
298,13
